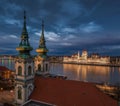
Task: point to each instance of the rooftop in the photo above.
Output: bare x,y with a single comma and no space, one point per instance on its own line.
36,103
69,93
3,68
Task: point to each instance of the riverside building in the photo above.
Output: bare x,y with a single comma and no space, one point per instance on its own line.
26,66
33,88
84,58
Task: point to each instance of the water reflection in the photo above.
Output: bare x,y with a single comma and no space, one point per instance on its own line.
98,74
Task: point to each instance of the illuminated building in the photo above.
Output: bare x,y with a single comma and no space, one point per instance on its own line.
5,73
93,59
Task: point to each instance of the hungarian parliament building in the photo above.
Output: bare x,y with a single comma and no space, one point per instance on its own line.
84,58
94,58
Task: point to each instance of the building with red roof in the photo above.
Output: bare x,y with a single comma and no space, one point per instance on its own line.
5,73
69,93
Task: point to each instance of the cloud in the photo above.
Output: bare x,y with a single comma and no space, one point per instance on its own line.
6,49
91,7
8,37
13,36
65,44
68,30
90,27
53,39
50,36
69,37
13,22
67,11
71,7
70,25
11,5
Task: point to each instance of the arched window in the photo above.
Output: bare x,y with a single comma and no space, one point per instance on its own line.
29,70
19,70
19,93
39,67
46,67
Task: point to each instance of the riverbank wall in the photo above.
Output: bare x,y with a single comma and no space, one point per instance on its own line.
92,64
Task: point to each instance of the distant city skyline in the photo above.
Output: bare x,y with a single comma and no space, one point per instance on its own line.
70,25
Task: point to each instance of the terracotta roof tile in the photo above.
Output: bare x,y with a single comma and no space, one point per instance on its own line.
3,68
69,93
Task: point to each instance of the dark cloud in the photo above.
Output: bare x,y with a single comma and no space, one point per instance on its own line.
70,25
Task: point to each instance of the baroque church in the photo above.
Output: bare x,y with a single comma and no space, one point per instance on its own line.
33,90
26,66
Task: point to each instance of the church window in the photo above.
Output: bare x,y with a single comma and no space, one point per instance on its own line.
19,70
19,93
46,67
29,70
39,67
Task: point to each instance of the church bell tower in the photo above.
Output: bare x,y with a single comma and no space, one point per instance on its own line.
41,60
24,68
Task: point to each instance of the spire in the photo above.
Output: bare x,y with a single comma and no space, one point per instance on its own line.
25,19
24,32
42,50
24,16
24,46
43,28
42,38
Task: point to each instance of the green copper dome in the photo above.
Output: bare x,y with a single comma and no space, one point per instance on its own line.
24,47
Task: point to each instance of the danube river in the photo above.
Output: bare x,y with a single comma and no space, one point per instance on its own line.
97,74
88,73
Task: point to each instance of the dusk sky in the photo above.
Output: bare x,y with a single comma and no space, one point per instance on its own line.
70,25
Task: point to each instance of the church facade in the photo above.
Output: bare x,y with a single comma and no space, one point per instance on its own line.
26,66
